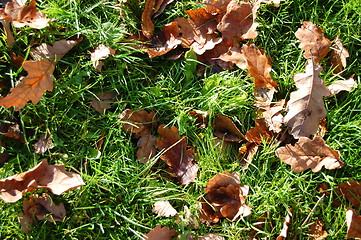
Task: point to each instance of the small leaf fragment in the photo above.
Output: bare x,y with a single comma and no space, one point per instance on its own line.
44,143
160,233
316,230
284,230
146,148
351,191
342,85
353,224
101,52
139,122
338,56
164,208
102,101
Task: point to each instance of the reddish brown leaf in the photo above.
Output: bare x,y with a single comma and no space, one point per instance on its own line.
225,129
101,52
139,122
284,230
259,132
17,61
225,198
351,191
316,230
201,118
43,144
163,208
31,87
177,156
12,131
309,153
353,224
246,153
213,57
338,56
160,233
51,177
313,41
102,101
146,148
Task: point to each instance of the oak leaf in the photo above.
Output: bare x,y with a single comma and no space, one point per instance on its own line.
351,191
313,41
307,153
338,56
52,177
177,155
316,230
146,148
225,129
139,122
273,116
259,132
353,224
102,101
246,153
225,198
342,85
101,52
306,106
160,233
164,208
31,87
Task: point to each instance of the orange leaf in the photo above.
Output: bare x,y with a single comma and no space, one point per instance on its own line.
160,233
31,87
259,132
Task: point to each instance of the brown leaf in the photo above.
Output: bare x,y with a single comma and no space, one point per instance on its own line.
146,148
351,191
12,131
343,85
31,87
309,153
338,56
316,230
177,156
139,122
246,153
163,208
160,233
235,56
225,198
201,118
225,129
259,132
211,236
43,144
17,61
353,224
273,117
313,41
322,127
306,106
102,101
8,33
51,177
24,15
284,230
101,52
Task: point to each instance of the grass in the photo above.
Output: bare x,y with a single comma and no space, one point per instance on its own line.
119,194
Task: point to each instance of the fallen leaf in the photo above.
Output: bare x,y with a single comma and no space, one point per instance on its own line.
161,8
246,153
177,156
211,236
31,87
160,233
43,144
24,15
17,61
146,148
316,230
139,122
353,224
52,177
323,188
257,227
189,219
12,131
307,153
313,41
101,52
225,129
273,117
225,198
163,208
342,85
338,55
284,230
102,101
322,127
259,132
351,191
8,33
306,106
201,118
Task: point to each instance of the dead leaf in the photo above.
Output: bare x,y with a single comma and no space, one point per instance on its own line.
146,148
31,87
52,177
309,153
284,230
43,144
338,55
342,85
139,122
189,219
225,198
316,230
322,127
102,101
306,106
211,236
225,129
17,61
101,52
273,116
353,224
24,15
161,8
163,208
257,227
177,155
8,33
351,191
12,131
246,153
259,132
201,118
313,41
160,233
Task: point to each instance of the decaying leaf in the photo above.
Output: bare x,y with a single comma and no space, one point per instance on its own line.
313,41
307,153
146,148
338,55
342,85
225,198
316,230
201,118
177,155
102,101
101,52
306,106
353,224
189,219
160,233
44,143
52,177
259,132
163,208
225,129
31,87
284,230
24,15
139,122
12,131
351,191
41,207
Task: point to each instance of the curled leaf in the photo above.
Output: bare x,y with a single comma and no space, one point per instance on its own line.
225,129
338,56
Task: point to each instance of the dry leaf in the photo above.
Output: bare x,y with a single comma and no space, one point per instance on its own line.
353,224
246,153
273,117
101,52
338,56
102,101
43,144
12,131
351,191
31,87
53,51
8,33
259,132
17,61
257,227
52,177
225,129
322,127
316,230
201,118
24,15
177,155
160,233
211,236
343,85
189,219
306,106
284,230
313,41
146,148
309,153
139,122
163,208
225,198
